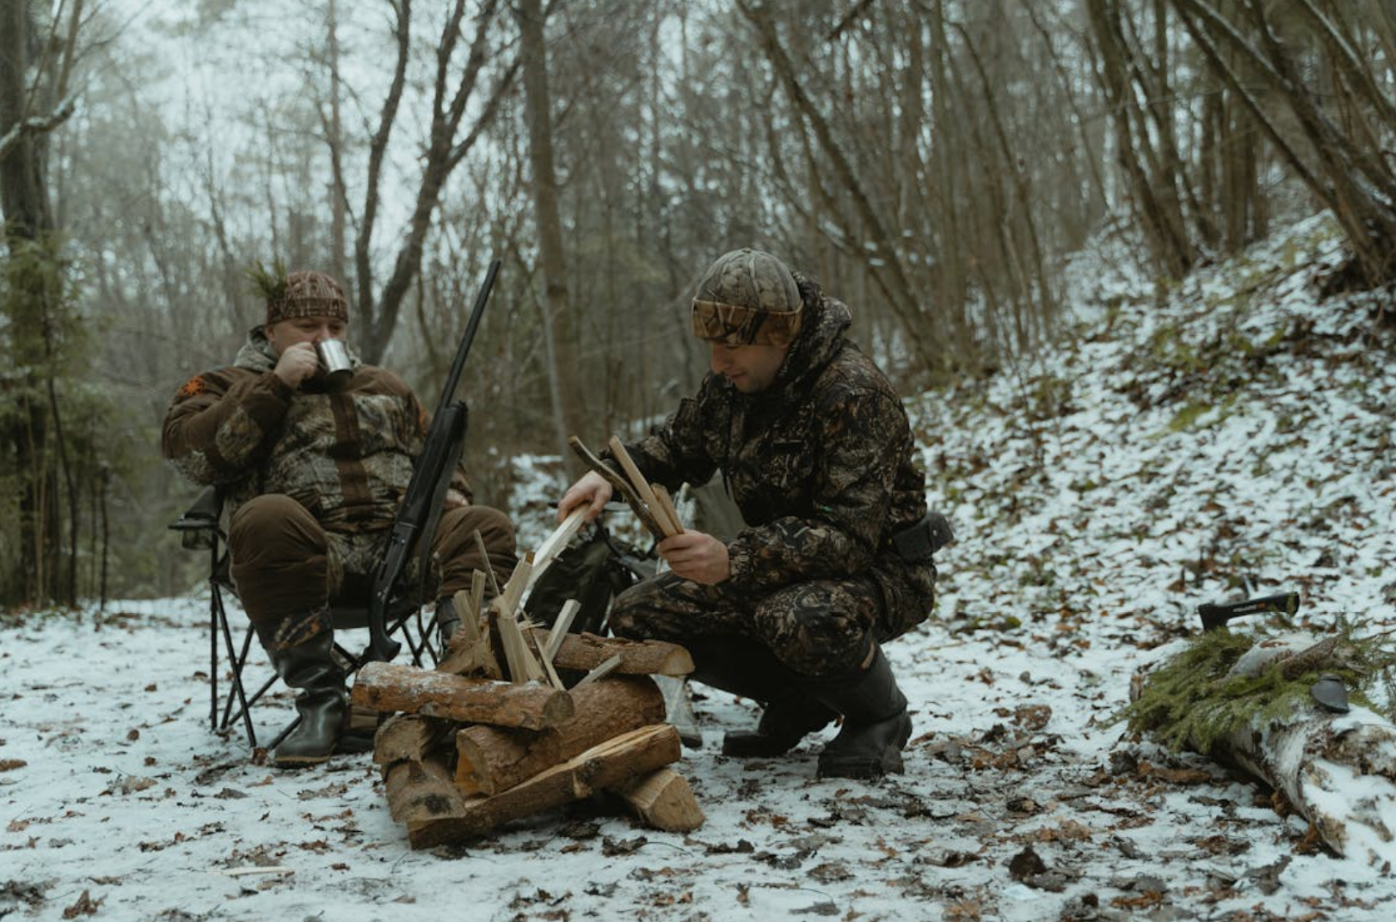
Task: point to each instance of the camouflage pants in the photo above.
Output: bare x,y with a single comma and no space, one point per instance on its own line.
818,628
288,569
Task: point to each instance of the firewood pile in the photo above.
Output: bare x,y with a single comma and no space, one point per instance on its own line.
494,734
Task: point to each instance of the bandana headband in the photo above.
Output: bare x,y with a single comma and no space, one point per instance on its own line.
733,325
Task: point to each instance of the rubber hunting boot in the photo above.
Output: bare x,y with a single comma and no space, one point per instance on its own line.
311,666
875,723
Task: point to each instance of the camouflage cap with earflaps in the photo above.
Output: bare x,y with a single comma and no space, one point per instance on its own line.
748,298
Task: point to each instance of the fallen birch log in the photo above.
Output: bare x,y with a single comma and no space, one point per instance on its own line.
614,763
1255,702
584,652
390,687
492,759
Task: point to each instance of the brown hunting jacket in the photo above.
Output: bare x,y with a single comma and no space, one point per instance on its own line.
820,463
346,455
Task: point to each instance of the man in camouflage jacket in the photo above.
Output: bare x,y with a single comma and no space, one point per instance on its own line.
311,471
815,448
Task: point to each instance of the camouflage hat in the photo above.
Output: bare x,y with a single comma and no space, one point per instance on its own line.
747,298
307,294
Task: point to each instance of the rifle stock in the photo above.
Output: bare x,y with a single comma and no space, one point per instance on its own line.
417,517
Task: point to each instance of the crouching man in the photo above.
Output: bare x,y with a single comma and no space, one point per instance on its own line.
835,559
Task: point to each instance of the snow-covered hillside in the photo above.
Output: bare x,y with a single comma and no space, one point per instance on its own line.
1223,437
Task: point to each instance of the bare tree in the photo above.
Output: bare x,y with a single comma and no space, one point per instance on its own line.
452,95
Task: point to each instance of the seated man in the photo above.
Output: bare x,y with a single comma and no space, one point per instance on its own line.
313,470
816,450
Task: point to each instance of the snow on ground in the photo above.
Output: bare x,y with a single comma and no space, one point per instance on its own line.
1223,438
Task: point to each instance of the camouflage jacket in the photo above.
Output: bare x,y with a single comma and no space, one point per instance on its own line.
820,463
346,455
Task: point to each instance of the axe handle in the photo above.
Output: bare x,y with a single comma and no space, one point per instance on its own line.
1215,615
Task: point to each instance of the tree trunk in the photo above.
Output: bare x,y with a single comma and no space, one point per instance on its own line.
560,333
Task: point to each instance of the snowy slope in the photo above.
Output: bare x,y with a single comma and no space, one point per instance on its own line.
1226,437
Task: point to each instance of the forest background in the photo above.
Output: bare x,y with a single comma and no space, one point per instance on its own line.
932,162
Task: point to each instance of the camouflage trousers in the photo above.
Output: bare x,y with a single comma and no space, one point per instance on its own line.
817,628
288,569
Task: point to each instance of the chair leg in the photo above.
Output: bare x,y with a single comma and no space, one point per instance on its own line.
238,690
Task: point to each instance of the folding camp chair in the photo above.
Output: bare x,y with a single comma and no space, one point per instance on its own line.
201,528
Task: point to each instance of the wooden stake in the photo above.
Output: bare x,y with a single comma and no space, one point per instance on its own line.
604,669
642,486
666,506
485,559
556,543
560,626
522,666
477,594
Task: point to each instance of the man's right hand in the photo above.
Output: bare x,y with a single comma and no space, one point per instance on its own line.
591,491
296,363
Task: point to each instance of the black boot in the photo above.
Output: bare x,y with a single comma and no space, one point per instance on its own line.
784,722
311,666
745,667
875,723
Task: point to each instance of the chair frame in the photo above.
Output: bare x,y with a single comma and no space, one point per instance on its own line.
200,527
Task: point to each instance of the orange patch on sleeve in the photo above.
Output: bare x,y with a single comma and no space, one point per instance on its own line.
193,387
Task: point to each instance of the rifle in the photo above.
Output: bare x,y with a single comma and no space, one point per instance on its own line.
417,517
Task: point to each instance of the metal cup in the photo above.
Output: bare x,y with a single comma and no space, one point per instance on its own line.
334,361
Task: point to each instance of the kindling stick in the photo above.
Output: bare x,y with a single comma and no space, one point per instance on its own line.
642,487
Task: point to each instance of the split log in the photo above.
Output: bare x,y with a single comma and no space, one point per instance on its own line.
612,764
556,543
490,760
1337,769
422,792
409,737
390,687
663,801
469,651
584,652
474,658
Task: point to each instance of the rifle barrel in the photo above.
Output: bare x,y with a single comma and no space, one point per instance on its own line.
478,311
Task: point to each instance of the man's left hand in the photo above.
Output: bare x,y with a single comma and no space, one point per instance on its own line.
696,556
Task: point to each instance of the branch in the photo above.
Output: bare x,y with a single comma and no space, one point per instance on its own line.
38,124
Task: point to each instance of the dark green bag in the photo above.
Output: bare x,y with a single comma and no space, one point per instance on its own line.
592,570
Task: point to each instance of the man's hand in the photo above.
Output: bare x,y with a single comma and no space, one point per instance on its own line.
296,363
592,491
696,556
